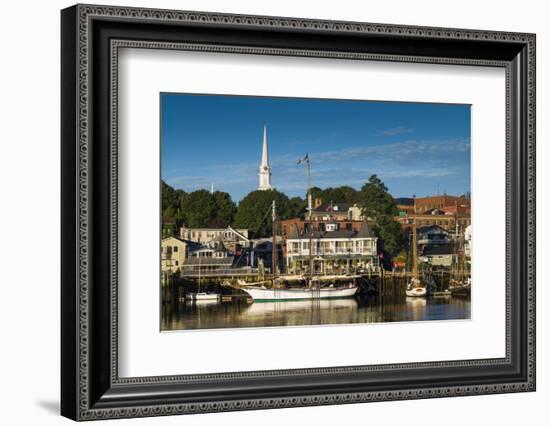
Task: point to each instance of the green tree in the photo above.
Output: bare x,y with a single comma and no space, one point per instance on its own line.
375,200
169,197
378,206
340,194
199,209
349,194
391,234
316,192
196,209
225,210
182,200
254,211
172,201
168,215
298,206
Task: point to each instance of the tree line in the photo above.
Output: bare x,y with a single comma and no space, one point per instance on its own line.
201,208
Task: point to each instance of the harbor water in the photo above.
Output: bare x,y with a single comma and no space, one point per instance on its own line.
240,312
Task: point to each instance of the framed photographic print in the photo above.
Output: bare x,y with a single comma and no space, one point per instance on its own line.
265,212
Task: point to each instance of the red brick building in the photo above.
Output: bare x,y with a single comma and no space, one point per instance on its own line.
425,204
446,211
448,222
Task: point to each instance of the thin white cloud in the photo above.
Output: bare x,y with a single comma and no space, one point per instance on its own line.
398,150
348,166
395,131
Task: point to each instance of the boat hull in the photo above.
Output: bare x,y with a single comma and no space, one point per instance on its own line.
202,296
416,292
460,290
266,294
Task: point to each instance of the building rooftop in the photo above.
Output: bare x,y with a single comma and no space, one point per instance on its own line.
437,250
176,238
364,232
425,229
222,228
206,261
404,201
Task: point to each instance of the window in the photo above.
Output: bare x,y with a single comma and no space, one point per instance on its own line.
175,249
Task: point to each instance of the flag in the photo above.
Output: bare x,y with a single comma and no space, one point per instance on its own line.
304,160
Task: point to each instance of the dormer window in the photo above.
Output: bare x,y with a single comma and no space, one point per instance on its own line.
331,226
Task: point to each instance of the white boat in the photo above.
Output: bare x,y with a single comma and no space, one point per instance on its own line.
416,292
202,296
312,289
415,287
460,288
265,294
459,284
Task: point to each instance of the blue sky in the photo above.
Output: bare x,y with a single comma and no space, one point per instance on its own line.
415,148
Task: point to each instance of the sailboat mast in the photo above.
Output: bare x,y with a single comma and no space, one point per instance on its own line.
273,242
308,218
310,207
414,259
462,272
199,286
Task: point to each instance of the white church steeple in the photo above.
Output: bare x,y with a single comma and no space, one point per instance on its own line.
265,170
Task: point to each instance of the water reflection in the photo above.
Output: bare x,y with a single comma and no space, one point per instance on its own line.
239,313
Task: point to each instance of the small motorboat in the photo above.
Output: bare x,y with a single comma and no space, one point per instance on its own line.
460,288
416,289
416,292
202,296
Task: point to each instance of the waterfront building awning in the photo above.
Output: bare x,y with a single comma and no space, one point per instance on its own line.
195,261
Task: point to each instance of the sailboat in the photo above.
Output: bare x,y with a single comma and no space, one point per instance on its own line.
200,296
276,291
314,288
415,287
459,285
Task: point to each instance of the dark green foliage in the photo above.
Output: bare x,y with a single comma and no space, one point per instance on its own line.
378,206
375,200
199,209
196,209
391,234
298,206
170,202
341,194
254,211
224,211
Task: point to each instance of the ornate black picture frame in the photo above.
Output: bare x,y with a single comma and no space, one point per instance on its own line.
91,388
